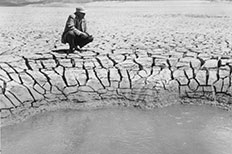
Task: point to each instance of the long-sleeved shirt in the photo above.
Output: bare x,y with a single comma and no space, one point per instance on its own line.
74,24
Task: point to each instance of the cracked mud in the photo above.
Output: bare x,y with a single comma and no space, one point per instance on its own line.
168,58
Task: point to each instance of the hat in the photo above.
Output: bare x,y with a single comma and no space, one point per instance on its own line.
80,10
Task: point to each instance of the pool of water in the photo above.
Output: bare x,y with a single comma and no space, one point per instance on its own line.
179,129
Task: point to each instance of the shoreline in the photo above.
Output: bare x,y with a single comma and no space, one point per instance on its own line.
96,3
22,114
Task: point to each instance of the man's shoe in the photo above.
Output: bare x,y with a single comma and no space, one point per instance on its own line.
71,51
78,49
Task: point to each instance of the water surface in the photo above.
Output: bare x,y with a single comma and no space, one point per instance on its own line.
179,129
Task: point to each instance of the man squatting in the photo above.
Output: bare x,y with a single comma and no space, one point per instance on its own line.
75,31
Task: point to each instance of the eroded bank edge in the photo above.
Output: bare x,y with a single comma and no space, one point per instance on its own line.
144,78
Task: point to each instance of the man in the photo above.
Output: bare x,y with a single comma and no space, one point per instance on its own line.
75,32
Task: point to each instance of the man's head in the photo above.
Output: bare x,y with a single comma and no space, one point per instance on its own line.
80,12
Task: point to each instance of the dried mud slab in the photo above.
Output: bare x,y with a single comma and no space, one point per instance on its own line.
146,55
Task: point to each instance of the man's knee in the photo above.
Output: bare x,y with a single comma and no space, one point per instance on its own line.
85,41
90,38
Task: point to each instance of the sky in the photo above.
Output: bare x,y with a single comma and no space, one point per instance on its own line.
25,2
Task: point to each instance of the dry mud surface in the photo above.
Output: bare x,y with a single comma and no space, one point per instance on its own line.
147,54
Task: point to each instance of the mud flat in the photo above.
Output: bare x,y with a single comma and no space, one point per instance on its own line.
145,54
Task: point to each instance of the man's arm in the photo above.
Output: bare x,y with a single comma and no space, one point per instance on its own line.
71,25
84,25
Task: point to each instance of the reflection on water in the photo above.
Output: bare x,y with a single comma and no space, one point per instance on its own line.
180,129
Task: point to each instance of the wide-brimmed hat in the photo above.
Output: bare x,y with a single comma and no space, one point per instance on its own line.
80,10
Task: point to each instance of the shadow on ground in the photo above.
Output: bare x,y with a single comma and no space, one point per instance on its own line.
61,51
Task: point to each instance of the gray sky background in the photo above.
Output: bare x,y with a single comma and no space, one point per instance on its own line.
25,2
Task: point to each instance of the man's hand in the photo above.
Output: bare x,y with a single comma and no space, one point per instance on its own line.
84,35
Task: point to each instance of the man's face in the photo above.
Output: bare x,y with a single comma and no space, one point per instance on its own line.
81,15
